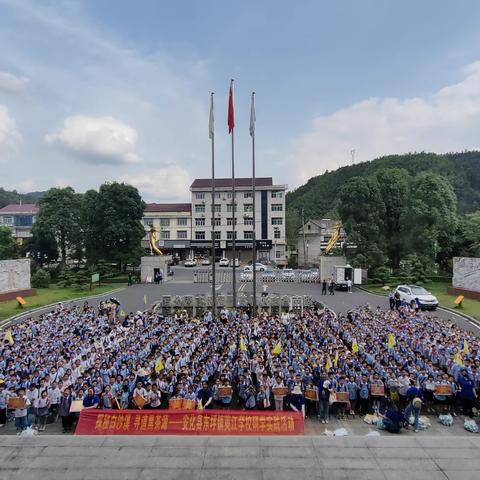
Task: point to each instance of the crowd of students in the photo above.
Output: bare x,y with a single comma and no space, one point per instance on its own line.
381,361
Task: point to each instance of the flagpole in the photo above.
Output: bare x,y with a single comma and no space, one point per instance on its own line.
254,249
234,217
212,137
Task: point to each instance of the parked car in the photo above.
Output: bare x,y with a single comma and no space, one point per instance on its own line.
425,300
224,262
190,262
268,274
206,261
246,276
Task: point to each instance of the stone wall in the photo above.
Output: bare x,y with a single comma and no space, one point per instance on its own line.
466,273
14,275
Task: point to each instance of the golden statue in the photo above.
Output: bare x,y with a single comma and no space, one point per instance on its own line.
154,250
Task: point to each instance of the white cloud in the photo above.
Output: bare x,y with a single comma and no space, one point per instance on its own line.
9,135
169,182
97,139
12,83
448,120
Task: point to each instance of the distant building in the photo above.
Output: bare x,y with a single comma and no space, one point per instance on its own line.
173,222
270,218
20,219
317,235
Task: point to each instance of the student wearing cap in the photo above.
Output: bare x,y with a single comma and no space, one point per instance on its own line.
415,398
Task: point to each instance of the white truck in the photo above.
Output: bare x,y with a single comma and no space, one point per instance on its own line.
341,275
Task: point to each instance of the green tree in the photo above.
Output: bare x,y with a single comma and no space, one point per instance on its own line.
42,245
112,223
59,218
469,230
394,190
432,217
7,244
362,211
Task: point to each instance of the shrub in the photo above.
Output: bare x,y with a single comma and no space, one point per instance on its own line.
40,279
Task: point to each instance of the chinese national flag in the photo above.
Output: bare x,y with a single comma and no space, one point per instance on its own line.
231,121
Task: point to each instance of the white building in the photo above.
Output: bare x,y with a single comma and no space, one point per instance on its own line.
173,222
270,218
20,219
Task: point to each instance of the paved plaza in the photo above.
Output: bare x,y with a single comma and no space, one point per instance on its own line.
245,458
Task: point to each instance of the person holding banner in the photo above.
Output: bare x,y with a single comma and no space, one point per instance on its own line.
21,404
205,397
91,400
279,392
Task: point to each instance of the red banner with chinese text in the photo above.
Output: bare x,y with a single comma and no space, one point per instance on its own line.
189,422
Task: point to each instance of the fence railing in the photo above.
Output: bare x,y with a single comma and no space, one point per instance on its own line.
280,276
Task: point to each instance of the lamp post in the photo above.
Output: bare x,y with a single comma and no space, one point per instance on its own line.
275,230
307,254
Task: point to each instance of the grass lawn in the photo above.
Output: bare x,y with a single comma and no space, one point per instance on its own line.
46,296
439,289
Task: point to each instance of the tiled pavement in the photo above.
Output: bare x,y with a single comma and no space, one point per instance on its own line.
261,458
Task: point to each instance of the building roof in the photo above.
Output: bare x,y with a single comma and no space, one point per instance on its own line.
168,207
227,182
20,208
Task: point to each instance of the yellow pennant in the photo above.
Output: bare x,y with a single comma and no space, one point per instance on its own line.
159,366
122,313
243,347
277,348
465,347
8,337
329,365
354,346
391,340
458,359
335,361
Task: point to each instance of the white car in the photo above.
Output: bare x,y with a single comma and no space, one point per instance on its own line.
206,261
425,300
259,267
190,262
288,273
246,276
224,262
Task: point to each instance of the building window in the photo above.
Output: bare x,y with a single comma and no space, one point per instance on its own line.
165,234
182,222
248,195
229,207
164,222
218,235
199,222
199,208
277,194
277,221
277,207
199,235
230,221
218,208
181,234
230,235
200,195
248,207
308,227
229,195
248,221
23,220
248,235
278,254
276,233
146,221
216,221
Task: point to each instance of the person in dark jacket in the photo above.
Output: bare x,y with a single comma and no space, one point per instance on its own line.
415,398
64,410
467,393
391,419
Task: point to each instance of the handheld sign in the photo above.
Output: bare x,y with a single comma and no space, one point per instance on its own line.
378,390
76,406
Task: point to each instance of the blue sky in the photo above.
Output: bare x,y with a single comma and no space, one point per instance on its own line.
92,91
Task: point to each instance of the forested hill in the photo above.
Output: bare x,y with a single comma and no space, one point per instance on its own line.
319,195
7,197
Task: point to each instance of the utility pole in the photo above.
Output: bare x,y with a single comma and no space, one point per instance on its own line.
303,230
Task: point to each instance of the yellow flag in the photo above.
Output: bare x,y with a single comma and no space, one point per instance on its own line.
145,299
159,366
391,340
465,347
243,347
335,361
8,337
122,313
277,348
354,346
329,365
458,359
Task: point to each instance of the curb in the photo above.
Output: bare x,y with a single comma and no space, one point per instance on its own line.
7,321
445,309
